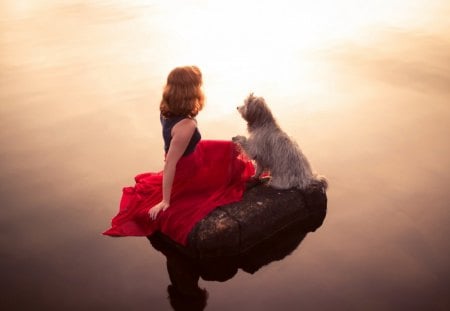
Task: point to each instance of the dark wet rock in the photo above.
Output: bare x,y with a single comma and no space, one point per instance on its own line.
214,258
235,228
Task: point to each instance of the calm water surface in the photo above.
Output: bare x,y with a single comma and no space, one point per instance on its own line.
363,88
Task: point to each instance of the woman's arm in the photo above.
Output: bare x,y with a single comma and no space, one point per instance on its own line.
181,135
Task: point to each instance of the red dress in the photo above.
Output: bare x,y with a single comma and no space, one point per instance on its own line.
213,175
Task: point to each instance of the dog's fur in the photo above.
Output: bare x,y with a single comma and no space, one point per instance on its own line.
272,149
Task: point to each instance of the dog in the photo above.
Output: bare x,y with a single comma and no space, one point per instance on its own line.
273,151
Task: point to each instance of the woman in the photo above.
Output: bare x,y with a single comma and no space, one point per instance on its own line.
198,175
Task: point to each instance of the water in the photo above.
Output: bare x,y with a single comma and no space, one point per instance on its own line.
363,88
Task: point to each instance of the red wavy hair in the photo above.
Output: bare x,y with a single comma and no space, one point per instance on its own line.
183,94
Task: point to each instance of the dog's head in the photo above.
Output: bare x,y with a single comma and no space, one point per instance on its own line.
255,111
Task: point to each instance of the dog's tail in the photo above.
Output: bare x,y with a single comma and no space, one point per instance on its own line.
320,181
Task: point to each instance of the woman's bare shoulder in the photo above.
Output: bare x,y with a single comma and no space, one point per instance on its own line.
185,125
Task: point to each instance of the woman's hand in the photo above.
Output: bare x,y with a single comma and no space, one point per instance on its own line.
154,211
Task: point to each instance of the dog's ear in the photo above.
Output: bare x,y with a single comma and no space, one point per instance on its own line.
249,98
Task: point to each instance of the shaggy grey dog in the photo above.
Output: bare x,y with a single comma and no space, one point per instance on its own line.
272,149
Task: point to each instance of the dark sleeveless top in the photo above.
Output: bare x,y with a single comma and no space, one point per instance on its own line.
168,124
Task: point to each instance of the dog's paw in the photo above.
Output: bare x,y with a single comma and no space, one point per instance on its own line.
239,139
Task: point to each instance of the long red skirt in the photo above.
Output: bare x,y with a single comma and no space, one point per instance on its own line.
213,175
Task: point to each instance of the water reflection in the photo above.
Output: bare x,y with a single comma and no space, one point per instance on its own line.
185,271
79,88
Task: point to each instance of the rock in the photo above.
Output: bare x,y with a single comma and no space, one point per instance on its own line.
235,228
224,241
